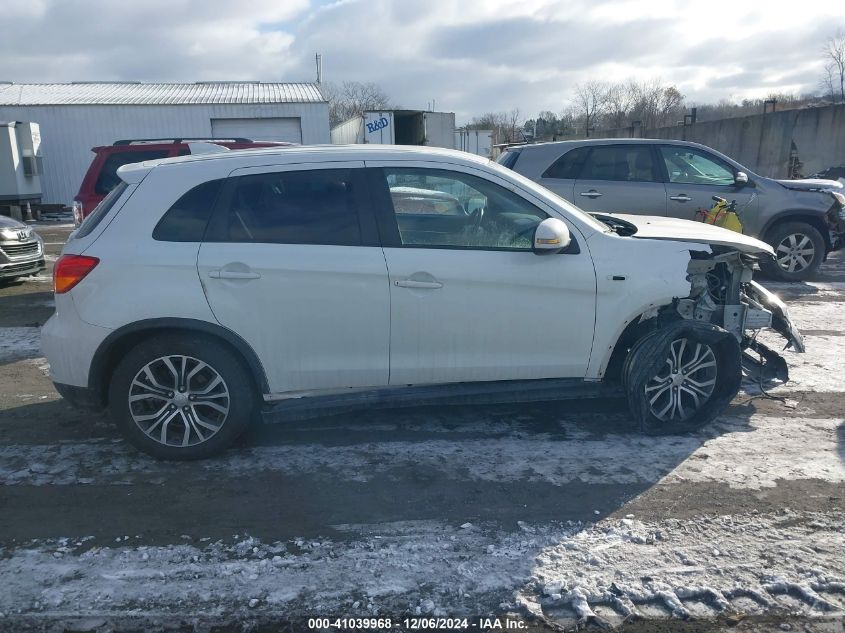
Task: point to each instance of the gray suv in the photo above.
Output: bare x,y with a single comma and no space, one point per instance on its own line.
803,220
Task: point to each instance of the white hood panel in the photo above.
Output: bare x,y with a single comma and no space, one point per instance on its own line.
659,228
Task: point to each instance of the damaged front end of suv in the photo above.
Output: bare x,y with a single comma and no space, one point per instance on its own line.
683,360
723,292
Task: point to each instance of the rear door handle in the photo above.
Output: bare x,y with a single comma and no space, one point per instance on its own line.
233,274
681,197
592,193
411,283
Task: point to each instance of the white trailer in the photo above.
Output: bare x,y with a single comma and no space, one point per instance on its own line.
20,162
398,127
478,142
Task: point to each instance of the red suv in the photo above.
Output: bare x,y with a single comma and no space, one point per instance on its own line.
102,174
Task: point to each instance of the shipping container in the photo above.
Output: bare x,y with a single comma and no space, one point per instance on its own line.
398,127
478,142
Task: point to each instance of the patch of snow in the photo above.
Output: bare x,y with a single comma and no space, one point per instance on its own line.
446,568
19,343
746,453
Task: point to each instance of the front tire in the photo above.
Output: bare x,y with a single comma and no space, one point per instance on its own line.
799,251
181,397
682,376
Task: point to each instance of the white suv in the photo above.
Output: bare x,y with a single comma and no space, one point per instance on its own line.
208,288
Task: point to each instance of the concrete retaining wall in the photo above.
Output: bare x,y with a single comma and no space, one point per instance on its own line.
764,142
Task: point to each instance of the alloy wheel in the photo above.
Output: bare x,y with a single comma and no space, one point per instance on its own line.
795,252
179,401
686,382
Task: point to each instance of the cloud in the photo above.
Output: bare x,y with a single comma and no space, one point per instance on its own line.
469,56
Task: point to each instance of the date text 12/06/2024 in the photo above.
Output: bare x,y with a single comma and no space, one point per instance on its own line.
416,624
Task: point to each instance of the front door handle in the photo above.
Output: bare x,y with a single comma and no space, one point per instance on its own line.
233,274
412,283
681,197
592,193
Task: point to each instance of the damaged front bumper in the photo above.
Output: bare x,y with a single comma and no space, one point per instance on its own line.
769,364
780,315
724,293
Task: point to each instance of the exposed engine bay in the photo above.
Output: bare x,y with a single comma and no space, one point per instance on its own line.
722,292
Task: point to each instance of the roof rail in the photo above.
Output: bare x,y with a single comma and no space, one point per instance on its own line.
181,139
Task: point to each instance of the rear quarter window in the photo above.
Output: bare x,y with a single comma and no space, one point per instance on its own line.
569,165
509,158
186,220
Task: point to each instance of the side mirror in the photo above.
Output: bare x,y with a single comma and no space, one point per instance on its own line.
741,178
551,236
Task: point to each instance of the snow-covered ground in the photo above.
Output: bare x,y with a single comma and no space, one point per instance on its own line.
750,453
18,343
610,570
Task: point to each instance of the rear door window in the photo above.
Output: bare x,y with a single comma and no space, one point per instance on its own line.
625,163
294,207
108,178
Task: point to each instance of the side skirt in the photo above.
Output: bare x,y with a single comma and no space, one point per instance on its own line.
465,393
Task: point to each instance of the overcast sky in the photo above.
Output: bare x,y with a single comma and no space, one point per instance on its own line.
469,56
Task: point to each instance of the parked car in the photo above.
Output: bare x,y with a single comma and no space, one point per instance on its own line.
101,176
206,288
803,220
21,250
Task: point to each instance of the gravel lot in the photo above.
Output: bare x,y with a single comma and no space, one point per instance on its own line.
557,513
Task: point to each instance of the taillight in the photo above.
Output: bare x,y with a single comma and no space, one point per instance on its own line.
70,270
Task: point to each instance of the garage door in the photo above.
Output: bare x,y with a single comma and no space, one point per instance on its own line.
271,129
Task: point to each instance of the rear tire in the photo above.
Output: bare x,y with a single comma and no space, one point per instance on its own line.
181,397
798,246
681,377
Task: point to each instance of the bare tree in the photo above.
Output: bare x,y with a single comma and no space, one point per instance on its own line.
506,126
513,124
655,104
834,52
590,102
620,100
352,98
828,85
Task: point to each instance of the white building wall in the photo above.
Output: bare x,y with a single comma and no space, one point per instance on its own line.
69,132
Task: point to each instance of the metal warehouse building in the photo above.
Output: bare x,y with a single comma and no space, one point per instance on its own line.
78,116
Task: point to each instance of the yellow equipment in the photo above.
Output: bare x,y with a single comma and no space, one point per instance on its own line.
721,214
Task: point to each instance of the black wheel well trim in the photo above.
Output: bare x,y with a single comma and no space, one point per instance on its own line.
636,329
799,215
632,332
105,358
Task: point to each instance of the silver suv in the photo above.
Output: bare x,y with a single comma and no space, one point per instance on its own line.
803,220
21,250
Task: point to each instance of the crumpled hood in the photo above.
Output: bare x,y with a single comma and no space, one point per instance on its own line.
810,184
659,228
